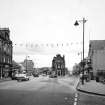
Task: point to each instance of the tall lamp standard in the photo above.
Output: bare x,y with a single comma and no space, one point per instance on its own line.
76,24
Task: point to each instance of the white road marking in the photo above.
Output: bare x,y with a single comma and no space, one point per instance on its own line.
75,99
75,103
76,95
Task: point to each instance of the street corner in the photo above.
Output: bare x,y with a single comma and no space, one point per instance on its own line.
92,87
79,86
83,87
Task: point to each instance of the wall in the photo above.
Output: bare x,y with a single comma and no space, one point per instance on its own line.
98,61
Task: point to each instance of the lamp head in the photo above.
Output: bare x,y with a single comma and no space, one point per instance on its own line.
76,23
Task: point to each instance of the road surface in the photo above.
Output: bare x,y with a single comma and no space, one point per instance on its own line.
46,91
38,91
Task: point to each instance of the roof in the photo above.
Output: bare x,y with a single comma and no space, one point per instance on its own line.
97,44
58,58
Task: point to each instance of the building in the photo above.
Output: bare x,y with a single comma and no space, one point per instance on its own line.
58,65
5,53
97,55
45,70
15,67
76,69
28,65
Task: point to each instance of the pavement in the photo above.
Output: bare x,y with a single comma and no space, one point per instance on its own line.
5,79
92,87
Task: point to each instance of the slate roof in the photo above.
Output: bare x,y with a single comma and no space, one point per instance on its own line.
97,44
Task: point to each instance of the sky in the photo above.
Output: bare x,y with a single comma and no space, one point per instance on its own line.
41,29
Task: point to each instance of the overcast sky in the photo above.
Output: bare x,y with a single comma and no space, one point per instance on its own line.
52,22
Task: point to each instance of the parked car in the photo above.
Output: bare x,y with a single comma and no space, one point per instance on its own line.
36,75
22,77
52,76
14,77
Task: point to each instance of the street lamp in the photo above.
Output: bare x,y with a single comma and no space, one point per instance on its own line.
76,24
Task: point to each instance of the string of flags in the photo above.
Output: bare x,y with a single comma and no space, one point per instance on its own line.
46,44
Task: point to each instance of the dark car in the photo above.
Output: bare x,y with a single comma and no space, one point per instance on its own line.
13,77
52,76
36,75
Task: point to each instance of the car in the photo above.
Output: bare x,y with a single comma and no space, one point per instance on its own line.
22,77
52,76
36,75
14,77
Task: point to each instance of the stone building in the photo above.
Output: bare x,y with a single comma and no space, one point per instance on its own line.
5,53
58,65
97,55
15,67
28,65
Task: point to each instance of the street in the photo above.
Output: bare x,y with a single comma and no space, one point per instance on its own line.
37,91
45,91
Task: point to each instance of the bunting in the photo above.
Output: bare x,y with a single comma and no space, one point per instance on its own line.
32,45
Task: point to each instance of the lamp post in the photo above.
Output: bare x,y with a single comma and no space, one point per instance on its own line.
76,24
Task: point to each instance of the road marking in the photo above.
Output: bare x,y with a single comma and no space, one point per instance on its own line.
75,99
76,95
75,103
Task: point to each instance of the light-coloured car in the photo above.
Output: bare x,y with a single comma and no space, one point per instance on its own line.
22,77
